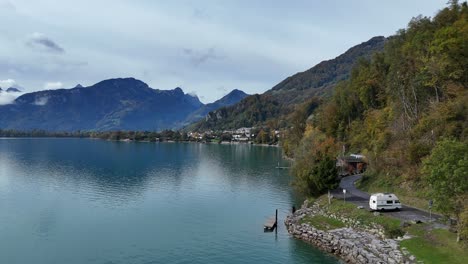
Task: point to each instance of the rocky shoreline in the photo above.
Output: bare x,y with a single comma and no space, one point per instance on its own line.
352,244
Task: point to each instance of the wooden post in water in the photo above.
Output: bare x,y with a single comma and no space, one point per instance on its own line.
271,223
276,221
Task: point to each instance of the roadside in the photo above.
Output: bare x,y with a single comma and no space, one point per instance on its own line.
360,198
360,236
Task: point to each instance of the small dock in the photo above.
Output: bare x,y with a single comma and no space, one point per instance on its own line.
271,224
281,167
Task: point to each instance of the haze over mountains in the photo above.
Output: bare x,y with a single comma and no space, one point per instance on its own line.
114,104
130,104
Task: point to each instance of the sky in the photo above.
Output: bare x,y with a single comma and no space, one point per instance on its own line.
205,47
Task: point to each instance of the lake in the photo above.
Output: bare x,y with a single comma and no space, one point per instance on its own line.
94,201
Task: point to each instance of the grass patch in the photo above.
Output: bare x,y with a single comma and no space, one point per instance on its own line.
375,183
323,222
428,244
311,200
435,245
390,225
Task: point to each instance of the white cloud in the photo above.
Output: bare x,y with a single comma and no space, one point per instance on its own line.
7,83
8,98
198,44
53,85
41,101
192,93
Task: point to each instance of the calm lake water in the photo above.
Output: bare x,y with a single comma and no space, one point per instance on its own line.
92,201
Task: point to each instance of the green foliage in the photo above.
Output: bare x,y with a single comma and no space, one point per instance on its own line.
294,134
262,137
390,225
277,104
446,171
251,111
42,133
329,72
397,105
463,225
315,166
322,222
434,245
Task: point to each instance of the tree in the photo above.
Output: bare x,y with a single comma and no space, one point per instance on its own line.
463,229
324,174
446,172
314,165
263,137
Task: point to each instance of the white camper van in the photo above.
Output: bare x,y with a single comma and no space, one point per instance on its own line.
384,201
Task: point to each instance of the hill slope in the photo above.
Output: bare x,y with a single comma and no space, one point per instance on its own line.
281,100
406,110
231,98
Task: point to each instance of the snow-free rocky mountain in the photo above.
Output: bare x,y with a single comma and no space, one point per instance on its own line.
114,104
10,90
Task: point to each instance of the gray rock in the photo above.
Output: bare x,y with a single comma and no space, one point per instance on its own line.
363,245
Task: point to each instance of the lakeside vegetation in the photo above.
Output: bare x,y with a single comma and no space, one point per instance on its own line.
426,242
434,245
261,135
391,226
406,110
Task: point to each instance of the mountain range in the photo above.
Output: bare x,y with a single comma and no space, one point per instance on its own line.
114,104
130,104
275,104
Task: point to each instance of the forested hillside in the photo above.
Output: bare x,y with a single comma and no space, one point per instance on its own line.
406,110
275,105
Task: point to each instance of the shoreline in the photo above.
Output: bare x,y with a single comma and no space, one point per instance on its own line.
352,244
148,141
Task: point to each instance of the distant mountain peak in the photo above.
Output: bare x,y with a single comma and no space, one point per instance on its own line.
113,104
278,102
236,92
13,90
78,86
120,83
232,97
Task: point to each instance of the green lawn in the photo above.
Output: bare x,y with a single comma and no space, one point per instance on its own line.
435,245
391,225
428,244
322,222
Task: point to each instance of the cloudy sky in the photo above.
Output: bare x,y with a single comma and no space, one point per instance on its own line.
206,47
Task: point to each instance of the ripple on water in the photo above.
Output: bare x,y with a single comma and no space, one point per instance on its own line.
88,201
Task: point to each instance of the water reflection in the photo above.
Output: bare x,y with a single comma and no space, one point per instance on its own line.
93,201
124,170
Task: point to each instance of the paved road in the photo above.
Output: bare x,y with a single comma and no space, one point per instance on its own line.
358,197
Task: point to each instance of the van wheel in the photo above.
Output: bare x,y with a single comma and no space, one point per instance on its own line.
383,209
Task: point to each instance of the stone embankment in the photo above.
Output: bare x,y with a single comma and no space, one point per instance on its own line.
352,244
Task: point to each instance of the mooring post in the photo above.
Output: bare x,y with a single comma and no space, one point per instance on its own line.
276,221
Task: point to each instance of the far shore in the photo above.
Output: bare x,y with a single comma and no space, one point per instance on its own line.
191,141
